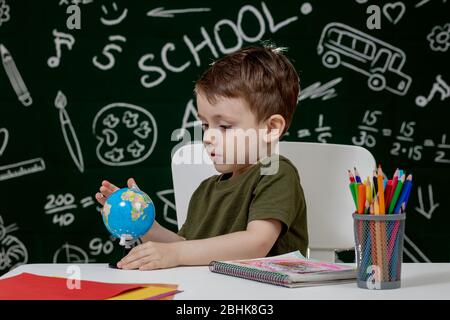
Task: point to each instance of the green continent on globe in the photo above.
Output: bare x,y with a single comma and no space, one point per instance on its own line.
138,203
105,212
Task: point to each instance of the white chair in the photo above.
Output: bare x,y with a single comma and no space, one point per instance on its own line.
323,176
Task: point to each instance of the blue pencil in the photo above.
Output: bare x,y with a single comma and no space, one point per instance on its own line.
406,188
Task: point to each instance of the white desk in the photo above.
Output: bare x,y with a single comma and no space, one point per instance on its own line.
419,281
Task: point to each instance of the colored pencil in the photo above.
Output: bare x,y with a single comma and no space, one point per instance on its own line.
397,192
381,191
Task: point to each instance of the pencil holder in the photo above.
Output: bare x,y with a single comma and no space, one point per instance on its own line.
379,250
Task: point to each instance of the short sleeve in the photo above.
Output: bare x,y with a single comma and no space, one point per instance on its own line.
278,196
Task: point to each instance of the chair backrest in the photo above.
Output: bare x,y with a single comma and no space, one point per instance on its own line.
323,176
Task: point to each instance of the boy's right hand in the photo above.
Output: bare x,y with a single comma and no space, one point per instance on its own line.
107,188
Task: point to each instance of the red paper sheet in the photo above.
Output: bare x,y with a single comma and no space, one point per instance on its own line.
27,286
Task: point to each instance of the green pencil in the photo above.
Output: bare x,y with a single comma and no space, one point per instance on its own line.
397,191
353,189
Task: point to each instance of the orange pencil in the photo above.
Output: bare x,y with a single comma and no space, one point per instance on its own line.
361,197
378,242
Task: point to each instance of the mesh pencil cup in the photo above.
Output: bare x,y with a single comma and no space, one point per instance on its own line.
379,249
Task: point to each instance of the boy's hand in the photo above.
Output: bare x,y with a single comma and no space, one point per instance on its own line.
151,255
107,188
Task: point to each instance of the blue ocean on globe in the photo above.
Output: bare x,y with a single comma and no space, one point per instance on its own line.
128,213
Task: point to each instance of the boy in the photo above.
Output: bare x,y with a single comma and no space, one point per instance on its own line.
241,213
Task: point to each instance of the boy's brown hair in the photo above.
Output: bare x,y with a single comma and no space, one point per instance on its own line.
263,76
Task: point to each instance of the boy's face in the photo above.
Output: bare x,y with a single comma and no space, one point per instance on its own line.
231,133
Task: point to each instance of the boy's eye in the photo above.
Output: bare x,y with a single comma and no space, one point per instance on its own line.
204,126
225,127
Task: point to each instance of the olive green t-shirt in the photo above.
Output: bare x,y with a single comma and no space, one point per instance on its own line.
221,205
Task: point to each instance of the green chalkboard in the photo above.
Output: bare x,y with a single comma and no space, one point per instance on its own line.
101,102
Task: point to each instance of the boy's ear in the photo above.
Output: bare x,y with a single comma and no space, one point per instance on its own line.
274,126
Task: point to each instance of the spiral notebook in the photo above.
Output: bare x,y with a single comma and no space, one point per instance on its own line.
288,270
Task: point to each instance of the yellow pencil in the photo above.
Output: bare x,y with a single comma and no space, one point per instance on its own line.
381,190
378,241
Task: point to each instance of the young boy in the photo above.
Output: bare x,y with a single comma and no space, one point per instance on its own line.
241,213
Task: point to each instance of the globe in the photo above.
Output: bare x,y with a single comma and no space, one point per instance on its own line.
128,213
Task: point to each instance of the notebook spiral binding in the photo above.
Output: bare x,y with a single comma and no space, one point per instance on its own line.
249,273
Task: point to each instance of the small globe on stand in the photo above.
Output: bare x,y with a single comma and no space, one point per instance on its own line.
128,214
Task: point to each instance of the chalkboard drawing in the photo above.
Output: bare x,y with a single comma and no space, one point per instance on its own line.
4,137
318,90
440,86
113,17
21,168
416,255
190,119
161,13
14,77
427,213
61,38
70,137
323,132
70,254
4,12
127,134
391,13
12,251
169,212
422,2
381,62
439,38
107,52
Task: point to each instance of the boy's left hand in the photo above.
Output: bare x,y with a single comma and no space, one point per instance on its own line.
151,255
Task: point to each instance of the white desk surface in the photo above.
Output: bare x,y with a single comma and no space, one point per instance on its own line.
419,281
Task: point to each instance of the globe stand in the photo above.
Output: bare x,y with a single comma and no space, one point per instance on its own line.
127,244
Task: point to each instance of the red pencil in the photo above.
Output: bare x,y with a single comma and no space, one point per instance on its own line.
350,176
394,185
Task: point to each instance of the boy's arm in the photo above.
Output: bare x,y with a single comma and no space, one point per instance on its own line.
255,242
158,233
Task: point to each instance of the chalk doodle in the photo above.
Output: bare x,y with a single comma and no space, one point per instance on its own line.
70,254
70,136
169,212
390,10
422,2
112,17
12,251
4,137
14,77
107,52
439,87
318,90
161,13
427,213
19,169
439,38
190,119
381,62
127,134
412,251
4,12
61,38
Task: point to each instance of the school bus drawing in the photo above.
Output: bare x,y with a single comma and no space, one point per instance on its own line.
381,62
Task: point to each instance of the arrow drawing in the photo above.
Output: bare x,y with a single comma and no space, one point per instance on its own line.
421,208
161,13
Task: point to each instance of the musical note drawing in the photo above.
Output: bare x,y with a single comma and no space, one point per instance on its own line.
70,254
4,137
12,251
391,13
70,137
439,38
4,12
381,62
61,39
14,77
111,21
127,134
161,13
440,86
169,213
